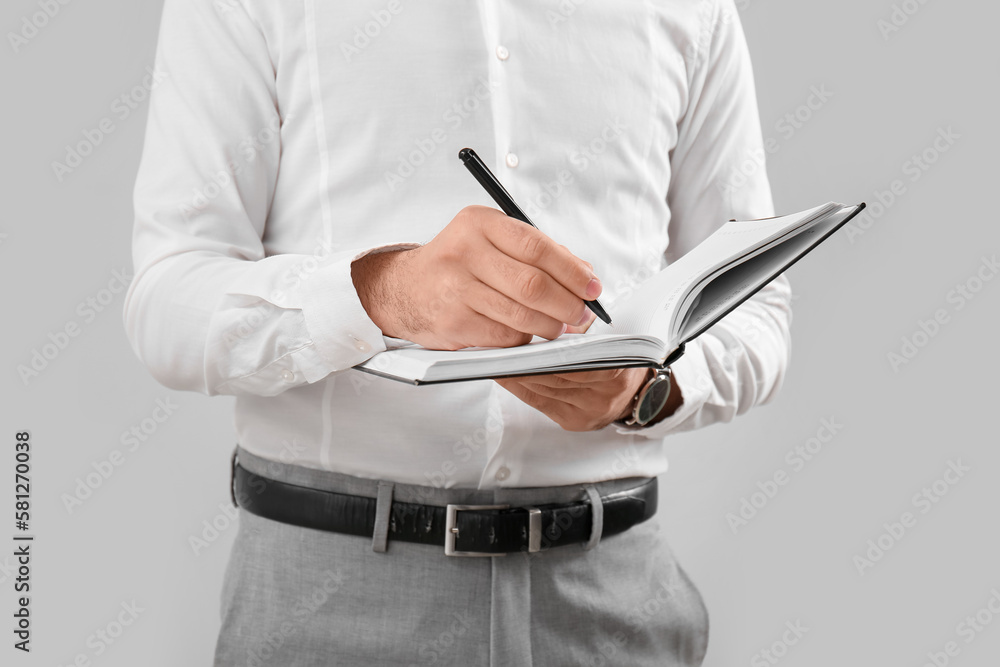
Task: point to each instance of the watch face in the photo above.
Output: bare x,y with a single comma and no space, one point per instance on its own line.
653,400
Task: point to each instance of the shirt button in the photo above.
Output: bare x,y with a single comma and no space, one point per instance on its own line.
502,52
512,160
362,345
502,473
287,375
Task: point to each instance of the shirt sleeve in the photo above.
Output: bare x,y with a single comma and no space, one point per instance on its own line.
718,174
208,310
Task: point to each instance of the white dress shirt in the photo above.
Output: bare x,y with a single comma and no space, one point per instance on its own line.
290,138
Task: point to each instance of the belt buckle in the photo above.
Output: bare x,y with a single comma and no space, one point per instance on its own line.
451,529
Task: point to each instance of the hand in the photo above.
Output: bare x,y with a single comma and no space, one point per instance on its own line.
587,400
485,280
580,401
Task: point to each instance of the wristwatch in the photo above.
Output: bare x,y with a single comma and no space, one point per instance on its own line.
650,400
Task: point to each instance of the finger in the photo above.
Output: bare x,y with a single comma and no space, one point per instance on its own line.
505,311
591,377
530,287
566,248
552,407
583,328
530,246
583,398
469,328
552,381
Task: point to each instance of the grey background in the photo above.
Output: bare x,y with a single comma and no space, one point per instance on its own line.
855,299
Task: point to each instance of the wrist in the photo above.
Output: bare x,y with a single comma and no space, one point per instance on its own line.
674,401
646,376
375,278
634,413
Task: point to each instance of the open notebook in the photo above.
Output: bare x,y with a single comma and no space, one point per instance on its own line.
652,326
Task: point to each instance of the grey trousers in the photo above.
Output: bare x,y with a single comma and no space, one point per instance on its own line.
301,597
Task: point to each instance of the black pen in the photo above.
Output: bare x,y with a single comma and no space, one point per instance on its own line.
500,195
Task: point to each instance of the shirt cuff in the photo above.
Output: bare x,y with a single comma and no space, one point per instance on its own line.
692,375
339,326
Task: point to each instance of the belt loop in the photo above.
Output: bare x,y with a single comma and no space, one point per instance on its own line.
596,517
232,476
383,507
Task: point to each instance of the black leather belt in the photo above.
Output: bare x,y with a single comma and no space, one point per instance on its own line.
486,530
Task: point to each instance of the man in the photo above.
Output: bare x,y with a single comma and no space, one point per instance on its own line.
300,207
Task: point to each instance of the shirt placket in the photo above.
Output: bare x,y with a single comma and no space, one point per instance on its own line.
510,604
500,42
